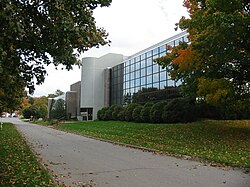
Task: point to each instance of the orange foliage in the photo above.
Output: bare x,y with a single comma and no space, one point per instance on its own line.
185,60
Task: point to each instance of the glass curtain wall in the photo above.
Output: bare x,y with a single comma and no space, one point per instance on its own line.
140,73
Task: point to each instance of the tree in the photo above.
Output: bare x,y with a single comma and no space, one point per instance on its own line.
37,33
219,51
58,111
56,94
11,91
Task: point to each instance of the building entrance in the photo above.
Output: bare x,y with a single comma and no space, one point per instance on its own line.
87,114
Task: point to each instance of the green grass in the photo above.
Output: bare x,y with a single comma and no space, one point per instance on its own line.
18,165
226,142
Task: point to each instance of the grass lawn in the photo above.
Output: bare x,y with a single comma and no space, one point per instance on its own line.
18,165
226,142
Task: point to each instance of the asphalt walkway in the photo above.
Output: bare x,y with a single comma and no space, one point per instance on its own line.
77,161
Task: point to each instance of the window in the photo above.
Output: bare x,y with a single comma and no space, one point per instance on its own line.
143,63
185,39
127,69
137,59
163,76
148,54
177,42
132,75
143,80
155,68
162,84
162,54
143,72
132,83
171,44
143,56
156,77
127,84
137,82
137,66
162,48
137,74
137,89
171,83
149,79
149,70
132,67
156,85
155,51
149,62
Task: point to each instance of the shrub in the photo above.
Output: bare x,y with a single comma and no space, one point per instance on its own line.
116,111
108,114
156,112
101,113
204,110
145,114
136,114
149,104
179,110
121,115
129,111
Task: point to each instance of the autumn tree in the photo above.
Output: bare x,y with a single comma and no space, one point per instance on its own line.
216,65
36,33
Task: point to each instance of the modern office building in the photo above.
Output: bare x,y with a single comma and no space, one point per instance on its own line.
114,78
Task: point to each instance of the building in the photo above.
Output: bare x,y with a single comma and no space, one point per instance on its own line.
114,78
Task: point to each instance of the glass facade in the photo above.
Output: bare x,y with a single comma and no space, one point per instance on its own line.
139,72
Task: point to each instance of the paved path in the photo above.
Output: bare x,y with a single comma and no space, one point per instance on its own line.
77,160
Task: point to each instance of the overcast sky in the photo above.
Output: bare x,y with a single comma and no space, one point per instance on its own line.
133,25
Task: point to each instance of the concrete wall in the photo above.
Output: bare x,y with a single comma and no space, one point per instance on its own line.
76,87
71,103
92,80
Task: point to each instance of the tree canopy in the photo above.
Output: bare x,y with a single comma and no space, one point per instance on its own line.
36,33
215,66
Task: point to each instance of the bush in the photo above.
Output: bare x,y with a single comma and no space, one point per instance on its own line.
145,114
149,104
101,113
156,112
136,114
108,114
121,115
204,110
116,111
129,111
179,110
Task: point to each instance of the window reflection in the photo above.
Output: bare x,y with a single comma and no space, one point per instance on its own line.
155,68
149,79
143,80
137,82
156,77
143,72
163,76
149,70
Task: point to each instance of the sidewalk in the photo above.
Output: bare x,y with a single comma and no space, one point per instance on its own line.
77,161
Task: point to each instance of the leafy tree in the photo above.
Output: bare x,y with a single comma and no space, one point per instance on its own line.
58,111
11,92
219,51
30,111
37,33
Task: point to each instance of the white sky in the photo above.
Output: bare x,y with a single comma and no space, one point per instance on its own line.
133,25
